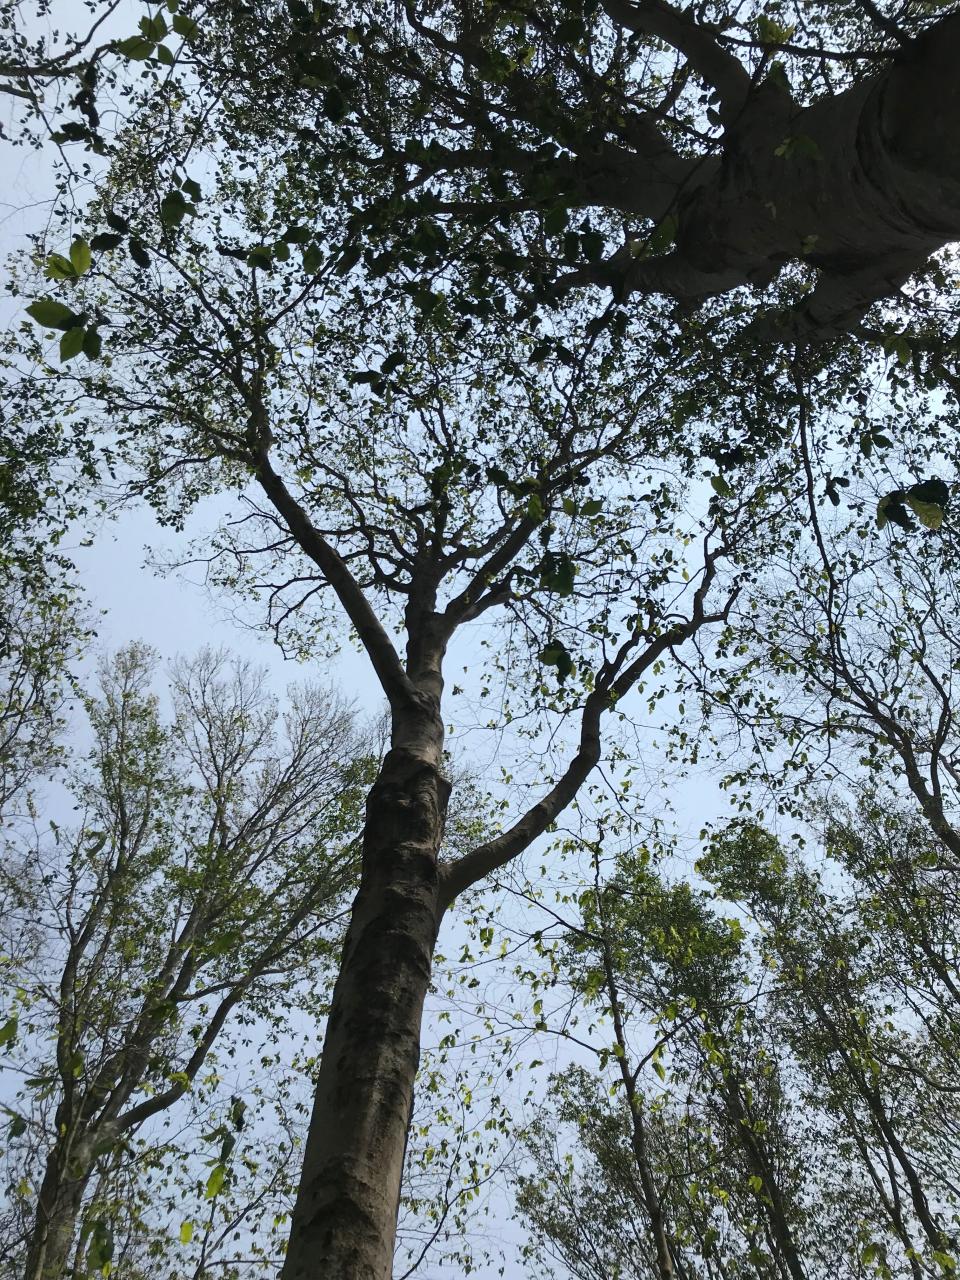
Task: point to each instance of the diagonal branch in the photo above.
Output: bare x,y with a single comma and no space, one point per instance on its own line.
384,657
718,68
609,688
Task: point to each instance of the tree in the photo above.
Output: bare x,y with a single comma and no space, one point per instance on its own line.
355,310
483,492
782,1079
647,147
203,881
38,62
41,632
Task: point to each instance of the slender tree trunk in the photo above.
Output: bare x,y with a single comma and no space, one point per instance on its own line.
344,1221
58,1207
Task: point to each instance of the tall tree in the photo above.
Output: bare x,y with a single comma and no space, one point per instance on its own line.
205,879
781,1080
350,262
647,147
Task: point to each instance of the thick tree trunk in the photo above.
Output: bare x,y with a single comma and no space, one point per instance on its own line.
58,1207
864,185
344,1222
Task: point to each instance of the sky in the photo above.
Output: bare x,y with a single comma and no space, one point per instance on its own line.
174,612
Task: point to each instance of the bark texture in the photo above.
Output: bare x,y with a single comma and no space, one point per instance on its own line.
65,1179
864,185
344,1222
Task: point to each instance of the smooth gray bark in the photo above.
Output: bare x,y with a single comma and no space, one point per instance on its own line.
344,1222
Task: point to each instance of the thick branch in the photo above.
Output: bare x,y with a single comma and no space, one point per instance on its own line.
386,662
718,68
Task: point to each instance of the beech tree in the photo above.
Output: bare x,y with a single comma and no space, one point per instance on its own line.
476,484
772,1088
465,302
807,147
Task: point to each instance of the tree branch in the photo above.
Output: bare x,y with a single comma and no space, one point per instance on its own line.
720,69
384,657
608,690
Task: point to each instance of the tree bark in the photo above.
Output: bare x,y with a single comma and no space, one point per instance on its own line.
864,185
344,1221
58,1206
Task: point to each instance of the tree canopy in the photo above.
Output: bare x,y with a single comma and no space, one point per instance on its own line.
580,364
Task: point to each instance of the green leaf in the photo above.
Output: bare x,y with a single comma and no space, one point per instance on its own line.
933,490
261,257
154,28
17,1126
138,253
100,1251
192,188
297,235
798,146
165,55
71,344
535,508
215,1182
556,654
281,251
173,209
897,345
105,241
720,486
557,573
52,314
92,344
59,268
238,1111
185,26
119,224
929,514
80,256
8,1032
555,221
770,32
136,48
891,508
592,507
186,1232
664,234
313,259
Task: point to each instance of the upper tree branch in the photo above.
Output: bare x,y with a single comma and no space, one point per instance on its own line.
384,657
720,69
612,683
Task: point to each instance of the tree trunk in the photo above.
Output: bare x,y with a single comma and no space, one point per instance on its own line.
344,1221
58,1207
864,185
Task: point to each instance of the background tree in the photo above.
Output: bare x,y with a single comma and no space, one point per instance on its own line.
203,883
781,1095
